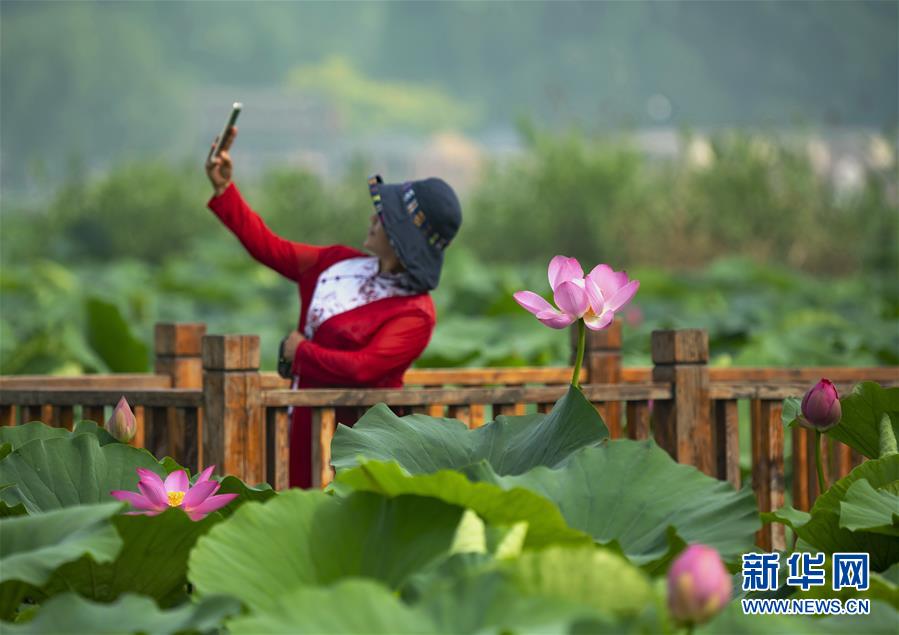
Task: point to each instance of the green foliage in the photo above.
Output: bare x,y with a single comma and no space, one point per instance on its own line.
659,506
510,445
349,606
859,427
169,537
166,259
62,472
366,103
543,524
80,78
302,538
828,527
647,504
454,548
33,547
867,509
596,198
71,614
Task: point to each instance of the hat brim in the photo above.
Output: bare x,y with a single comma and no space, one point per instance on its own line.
423,261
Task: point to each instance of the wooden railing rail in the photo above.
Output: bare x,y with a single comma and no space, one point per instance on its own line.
208,403
459,396
805,376
116,381
159,397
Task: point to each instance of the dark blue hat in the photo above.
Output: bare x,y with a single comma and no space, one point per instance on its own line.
420,218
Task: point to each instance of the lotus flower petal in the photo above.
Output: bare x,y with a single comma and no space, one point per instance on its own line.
211,504
623,295
571,298
554,319
150,476
199,493
205,474
594,295
137,500
532,302
156,495
562,269
608,279
599,322
177,482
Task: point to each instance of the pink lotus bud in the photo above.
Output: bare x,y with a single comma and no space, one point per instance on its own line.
122,424
821,408
698,585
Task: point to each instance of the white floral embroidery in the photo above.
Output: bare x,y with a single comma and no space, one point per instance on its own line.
347,285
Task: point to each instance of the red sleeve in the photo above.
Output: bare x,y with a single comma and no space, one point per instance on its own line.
396,345
288,258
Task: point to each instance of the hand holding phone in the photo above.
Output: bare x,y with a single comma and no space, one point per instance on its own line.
218,162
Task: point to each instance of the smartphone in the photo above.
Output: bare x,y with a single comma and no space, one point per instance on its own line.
235,110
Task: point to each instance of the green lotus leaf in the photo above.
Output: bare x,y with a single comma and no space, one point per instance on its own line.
865,508
33,547
70,614
633,494
859,426
545,524
113,337
822,530
550,590
7,511
598,578
511,445
153,560
788,515
349,606
245,493
61,472
308,538
92,427
18,436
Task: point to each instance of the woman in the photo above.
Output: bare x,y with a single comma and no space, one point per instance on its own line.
363,318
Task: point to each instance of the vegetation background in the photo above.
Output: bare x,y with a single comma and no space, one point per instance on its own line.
738,158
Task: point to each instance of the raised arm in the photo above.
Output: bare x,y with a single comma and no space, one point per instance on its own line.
396,345
288,258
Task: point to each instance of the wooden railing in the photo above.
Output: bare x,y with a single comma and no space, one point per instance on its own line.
208,403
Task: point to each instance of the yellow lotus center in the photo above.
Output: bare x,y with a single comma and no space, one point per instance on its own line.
175,499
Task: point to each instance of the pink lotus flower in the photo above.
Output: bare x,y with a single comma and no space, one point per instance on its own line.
122,424
157,495
594,298
821,409
698,585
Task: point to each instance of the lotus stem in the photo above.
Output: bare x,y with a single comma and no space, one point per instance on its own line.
887,437
821,486
581,340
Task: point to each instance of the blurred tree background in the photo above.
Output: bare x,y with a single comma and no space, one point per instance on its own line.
738,158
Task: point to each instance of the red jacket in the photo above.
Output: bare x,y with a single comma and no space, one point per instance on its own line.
370,346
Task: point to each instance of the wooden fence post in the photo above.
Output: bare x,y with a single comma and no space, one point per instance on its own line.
768,468
173,431
179,352
602,363
682,426
234,423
